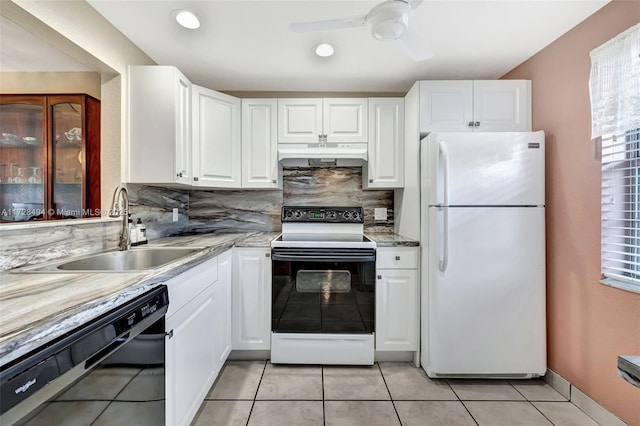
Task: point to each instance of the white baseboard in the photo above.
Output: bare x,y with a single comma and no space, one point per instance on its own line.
590,407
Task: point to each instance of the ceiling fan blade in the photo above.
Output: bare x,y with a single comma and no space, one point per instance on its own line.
415,3
329,24
414,46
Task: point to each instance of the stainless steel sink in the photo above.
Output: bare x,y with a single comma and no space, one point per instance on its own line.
138,259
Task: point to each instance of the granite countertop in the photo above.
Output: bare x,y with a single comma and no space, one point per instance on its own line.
629,369
392,240
39,307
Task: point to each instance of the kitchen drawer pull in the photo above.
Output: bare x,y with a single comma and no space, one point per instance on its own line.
476,124
471,124
195,178
370,180
275,181
379,277
397,257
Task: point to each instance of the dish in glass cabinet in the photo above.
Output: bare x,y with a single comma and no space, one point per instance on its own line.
9,139
30,140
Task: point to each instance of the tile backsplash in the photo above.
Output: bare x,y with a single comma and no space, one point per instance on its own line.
256,210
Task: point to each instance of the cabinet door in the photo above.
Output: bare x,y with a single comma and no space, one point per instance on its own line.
299,120
216,139
397,310
23,158
221,326
189,358
446,106
182,94
260,167
345,120
502,105
251,294
159,125
385,168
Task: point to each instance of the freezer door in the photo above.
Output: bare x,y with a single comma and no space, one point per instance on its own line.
486,291
479,169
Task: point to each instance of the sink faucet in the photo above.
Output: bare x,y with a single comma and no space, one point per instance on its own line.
116,211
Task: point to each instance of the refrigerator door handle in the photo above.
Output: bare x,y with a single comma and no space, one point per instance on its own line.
444,260
445,172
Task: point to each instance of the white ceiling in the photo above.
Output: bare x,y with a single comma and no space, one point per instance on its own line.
21,51
246,45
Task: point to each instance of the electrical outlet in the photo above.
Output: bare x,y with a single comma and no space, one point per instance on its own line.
380,214
175,214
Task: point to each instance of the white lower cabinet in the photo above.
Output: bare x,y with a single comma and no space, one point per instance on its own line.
198,327
189,358
397,300
251,295
221,327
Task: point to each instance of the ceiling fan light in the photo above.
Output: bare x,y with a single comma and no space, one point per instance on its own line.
324,50
389,30
389,20
187,19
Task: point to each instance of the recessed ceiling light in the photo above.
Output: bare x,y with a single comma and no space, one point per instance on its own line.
187,19
324,50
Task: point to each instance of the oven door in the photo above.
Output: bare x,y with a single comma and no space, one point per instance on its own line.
328,291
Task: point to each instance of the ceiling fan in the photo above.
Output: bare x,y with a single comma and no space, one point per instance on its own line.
389,21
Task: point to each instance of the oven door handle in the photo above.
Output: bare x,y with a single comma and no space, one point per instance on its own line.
321,258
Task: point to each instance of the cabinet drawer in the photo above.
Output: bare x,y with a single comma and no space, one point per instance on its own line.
186,286
397,257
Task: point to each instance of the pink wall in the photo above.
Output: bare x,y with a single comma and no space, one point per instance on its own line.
589,324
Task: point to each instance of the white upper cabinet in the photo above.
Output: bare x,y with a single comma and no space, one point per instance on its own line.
260,167
216,139
345,120
159,125
299,120
502,105
475,106
322,120
385,168
446,106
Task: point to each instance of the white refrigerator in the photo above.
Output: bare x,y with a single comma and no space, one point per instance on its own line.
483,255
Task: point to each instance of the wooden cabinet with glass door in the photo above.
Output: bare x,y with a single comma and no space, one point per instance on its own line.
49,157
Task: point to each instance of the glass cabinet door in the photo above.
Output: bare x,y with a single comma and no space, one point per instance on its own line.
67,158
22,160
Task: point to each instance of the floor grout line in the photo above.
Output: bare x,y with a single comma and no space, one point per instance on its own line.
264,368
390,396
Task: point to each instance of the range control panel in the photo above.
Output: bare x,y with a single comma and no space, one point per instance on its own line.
323,214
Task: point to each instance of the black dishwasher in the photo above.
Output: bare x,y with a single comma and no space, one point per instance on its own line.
47,384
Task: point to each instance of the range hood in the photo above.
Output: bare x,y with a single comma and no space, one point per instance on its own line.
322,155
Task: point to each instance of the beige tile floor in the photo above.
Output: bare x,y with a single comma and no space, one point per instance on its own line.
258,393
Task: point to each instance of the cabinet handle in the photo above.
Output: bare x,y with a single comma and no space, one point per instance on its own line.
195,178
397,257
169,334
476,124
471,124
379,277
267,254
370,180
275,181
180,174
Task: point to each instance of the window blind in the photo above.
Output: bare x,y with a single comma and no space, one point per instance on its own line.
614,87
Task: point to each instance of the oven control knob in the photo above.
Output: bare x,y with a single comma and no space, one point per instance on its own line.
297,214
331,215
346,215
355,215
288,214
